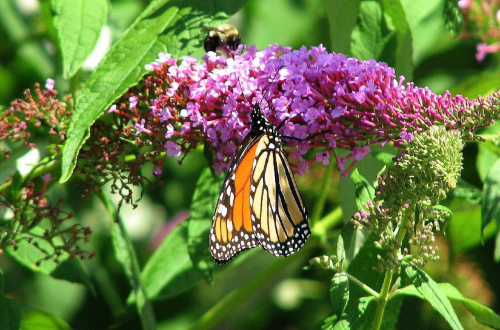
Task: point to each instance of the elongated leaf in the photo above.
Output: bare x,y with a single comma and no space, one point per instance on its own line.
431,292
339,293
482,313
35,319
334,323
403,52
201,211
169,271
165,26
373,33
491,195
78,24
125,254
365,192
341,16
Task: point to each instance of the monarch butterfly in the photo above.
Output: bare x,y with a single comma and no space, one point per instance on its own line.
259,203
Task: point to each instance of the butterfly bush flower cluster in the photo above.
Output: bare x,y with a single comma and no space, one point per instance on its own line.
482,21
38,121
407,195
321,101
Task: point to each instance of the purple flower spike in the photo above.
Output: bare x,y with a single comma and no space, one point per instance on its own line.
326,100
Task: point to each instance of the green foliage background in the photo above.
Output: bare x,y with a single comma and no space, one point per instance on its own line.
256,290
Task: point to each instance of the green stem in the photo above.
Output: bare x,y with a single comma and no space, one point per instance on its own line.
363,286
321,227
386,286
38,171
320,203
382,300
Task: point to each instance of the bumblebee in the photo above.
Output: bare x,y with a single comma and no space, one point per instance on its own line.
222,36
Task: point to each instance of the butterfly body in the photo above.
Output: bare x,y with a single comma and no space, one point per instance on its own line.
259,204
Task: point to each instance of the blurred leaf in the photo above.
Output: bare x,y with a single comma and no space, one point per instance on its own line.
431,292
169,271
72,270
201,212
341,16
482,83
491,196
78,24
488,153
17,184
365,307
333,323
339,293
365,192
453,17
443,208
361,267
471,193
34,320
165,26
373,33
403,52
10,311
464,230
28,255
482,313
125,255
385,158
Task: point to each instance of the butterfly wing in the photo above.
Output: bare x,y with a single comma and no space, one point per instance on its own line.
278,212
232,230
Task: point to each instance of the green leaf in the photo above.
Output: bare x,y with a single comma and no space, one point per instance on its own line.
341,16
464,230
453,17
125,255
469,192
403,52
35,319
340,250
431,292
491,195
373,32
165,26
361,267
442,208
78,24
15,187
201,211
28,255
10,311
72,270
364,190
334,323
483,314
169,271
339,293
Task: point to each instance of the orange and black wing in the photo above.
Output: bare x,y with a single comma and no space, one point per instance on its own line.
279,214
259,204
232,229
